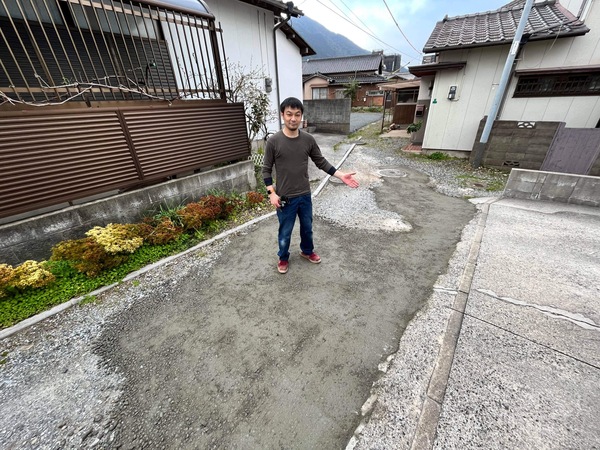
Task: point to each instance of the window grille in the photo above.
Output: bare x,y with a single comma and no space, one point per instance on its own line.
556,85
54,51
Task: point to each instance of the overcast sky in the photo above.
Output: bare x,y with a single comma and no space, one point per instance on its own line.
369,24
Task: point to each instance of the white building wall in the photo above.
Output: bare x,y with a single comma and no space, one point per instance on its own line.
576,112
452,125
248,41
573,5
289,62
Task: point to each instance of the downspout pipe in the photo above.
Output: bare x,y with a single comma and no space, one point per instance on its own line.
501,92
275,28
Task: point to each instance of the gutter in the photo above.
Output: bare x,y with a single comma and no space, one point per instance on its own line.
275,28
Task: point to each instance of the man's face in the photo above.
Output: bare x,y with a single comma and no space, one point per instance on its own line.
292,118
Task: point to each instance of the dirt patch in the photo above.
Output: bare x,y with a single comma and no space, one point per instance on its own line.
242,357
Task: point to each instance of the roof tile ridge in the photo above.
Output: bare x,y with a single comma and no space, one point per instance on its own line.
478,14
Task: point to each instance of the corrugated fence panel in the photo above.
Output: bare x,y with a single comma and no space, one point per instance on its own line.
49,157
52,158
172,140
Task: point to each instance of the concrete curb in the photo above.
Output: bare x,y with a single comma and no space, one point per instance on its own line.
63,306
432,406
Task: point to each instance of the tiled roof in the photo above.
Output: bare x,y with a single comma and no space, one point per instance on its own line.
548,19
362,79
346,78
361,63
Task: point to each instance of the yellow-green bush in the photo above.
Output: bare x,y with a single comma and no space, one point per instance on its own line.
116,238
7,275
30,274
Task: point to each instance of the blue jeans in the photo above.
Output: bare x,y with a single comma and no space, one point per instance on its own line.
301,207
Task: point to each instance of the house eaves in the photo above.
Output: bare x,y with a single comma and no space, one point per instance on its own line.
343,79
547,20
278,7
408,84
193,7
306,78
372,63
430,69
560,70
292,35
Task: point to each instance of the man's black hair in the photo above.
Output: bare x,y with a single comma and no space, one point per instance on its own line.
293,103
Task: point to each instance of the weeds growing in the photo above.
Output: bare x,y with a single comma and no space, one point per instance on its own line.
107,254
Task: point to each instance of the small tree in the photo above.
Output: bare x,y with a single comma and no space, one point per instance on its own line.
351,89
248,87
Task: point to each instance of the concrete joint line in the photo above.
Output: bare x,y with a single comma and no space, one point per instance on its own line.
426,431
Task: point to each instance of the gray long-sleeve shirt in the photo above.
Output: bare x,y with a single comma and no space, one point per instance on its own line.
290,157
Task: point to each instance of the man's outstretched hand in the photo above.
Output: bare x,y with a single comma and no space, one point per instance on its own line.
348,179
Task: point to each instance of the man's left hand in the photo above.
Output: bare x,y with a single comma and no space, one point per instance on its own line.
349,180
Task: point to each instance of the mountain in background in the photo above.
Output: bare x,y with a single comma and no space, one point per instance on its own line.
326,43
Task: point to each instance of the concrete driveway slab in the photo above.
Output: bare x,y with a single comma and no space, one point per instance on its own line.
541,266
507,391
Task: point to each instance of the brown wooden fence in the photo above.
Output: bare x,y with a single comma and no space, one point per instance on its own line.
573,150
50,157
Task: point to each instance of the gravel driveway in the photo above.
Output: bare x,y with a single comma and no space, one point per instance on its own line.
214,349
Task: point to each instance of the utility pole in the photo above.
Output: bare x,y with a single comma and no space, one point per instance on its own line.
510,59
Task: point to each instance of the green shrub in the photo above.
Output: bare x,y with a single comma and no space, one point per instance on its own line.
438,156
414,127
170,213
109,253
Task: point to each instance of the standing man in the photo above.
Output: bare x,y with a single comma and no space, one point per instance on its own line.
288,151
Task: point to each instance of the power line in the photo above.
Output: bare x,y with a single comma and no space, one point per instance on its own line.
358,18
398,26
367,33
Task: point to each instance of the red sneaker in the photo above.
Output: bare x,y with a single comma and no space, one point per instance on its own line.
313,257
283,266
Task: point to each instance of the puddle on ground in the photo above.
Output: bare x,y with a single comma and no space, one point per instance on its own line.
394,173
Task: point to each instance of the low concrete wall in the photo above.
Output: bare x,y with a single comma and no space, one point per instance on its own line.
516,144
34,237
553,186
328,116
